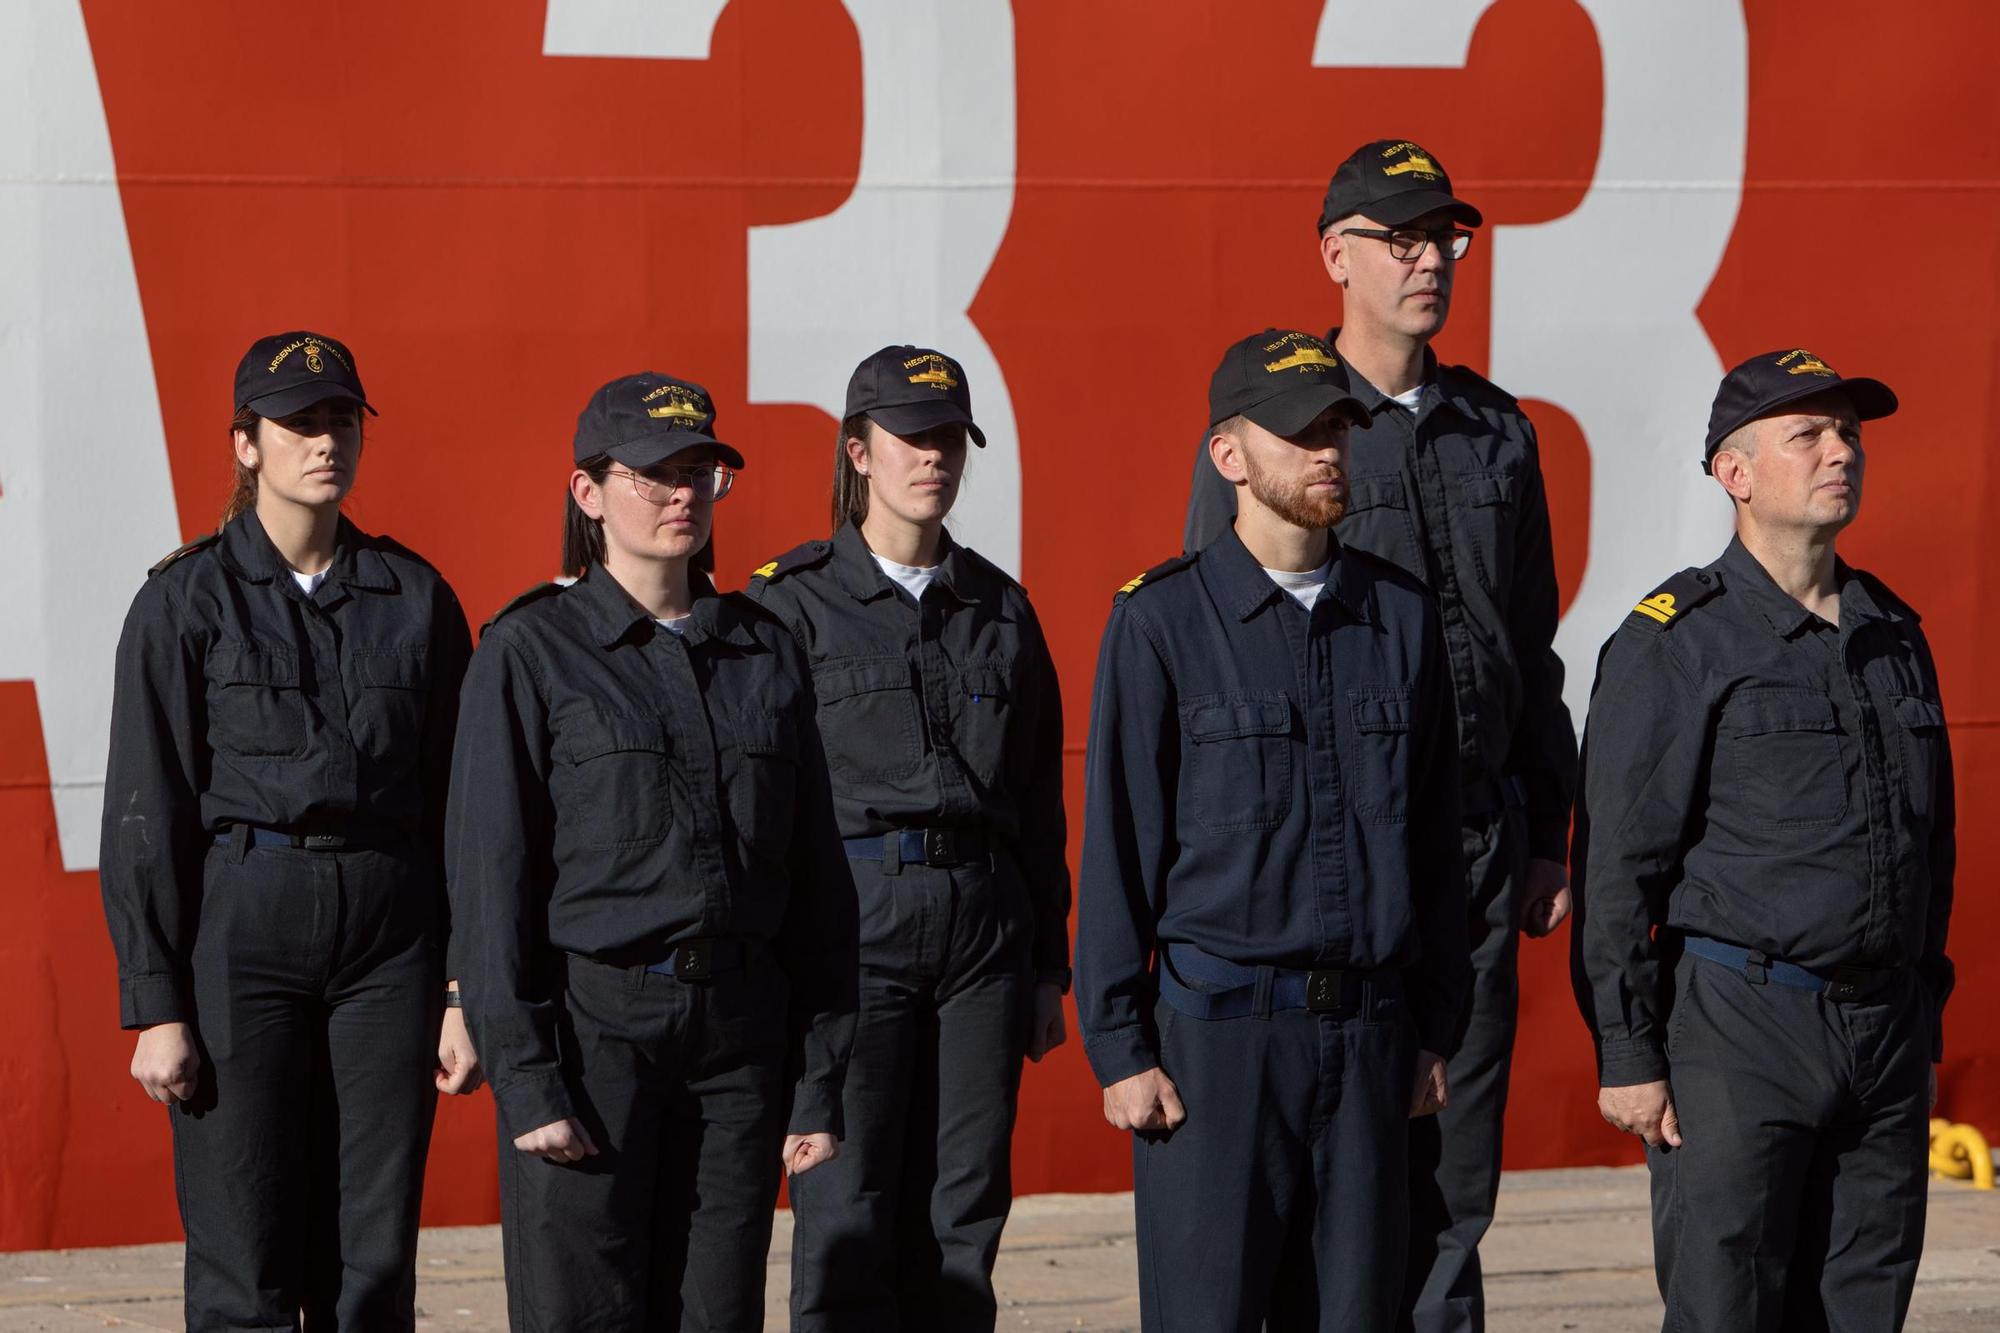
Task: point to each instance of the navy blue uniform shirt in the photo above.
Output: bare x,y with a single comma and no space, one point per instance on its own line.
1453,493
238,699
1272,786
622,789
1758,776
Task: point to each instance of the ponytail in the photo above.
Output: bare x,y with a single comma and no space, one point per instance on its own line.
243,484
850,488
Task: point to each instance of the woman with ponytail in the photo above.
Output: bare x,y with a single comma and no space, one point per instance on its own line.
943,729
658,925
286,691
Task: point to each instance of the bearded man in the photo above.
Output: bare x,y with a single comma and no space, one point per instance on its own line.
1271,940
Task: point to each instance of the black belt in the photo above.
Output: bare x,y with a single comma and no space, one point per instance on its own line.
938,847
1239,991
701,960
1836,983
310,837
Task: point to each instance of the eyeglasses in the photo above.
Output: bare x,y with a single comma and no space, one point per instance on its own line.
710,481
1407,243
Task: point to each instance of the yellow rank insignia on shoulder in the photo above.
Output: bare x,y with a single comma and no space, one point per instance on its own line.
1660,607
764,571
1676,597
1157,572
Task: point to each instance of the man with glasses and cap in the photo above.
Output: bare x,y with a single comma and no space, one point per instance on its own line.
1271,951
1763,860
1446,482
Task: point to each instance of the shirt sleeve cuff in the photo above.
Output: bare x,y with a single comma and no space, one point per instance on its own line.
1119,1053
1548,838
1438,1028
531,1101
1621,1064
816,1109
1054,976
146,1000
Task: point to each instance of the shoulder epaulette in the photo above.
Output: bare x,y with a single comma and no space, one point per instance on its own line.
1886,596
392,545
1153,575
534,594
1472,384
981,563
198,544
1674,599
803,556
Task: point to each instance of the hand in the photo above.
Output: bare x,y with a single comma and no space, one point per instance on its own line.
458,1063
1545,905
1645,1109
803,1152
560,1141
1431,1092
1144,1102
166,1062
1048,1031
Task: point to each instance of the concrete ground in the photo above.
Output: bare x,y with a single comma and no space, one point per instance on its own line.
1569,1250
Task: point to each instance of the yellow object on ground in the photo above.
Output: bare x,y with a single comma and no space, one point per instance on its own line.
1959,1152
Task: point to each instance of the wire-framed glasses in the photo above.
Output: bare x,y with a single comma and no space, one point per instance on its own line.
656,485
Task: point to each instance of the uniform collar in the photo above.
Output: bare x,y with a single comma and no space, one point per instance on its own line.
1242,588
357,566
614,617
1434,392
854,565
1781,611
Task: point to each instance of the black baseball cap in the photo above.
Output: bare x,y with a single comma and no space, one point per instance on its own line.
641,419
289,372
1766,382
1282,380
908,390
1394,182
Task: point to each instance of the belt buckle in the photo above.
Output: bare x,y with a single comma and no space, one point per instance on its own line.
694,961
940,847
323,842
1323,989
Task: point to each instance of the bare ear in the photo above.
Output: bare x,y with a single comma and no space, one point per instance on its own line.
857,447
245,447
1226,452
1731,471
589,496
1333,254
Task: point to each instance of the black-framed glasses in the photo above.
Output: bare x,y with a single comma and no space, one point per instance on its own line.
656,486
1408,243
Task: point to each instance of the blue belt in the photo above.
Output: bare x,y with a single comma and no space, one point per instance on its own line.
1237,991
1843,983
941,847
699,960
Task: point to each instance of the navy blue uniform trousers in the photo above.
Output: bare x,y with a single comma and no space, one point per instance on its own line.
1455,1155
299,1161
900,1231
1281,1202
1797,1199
681,1085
